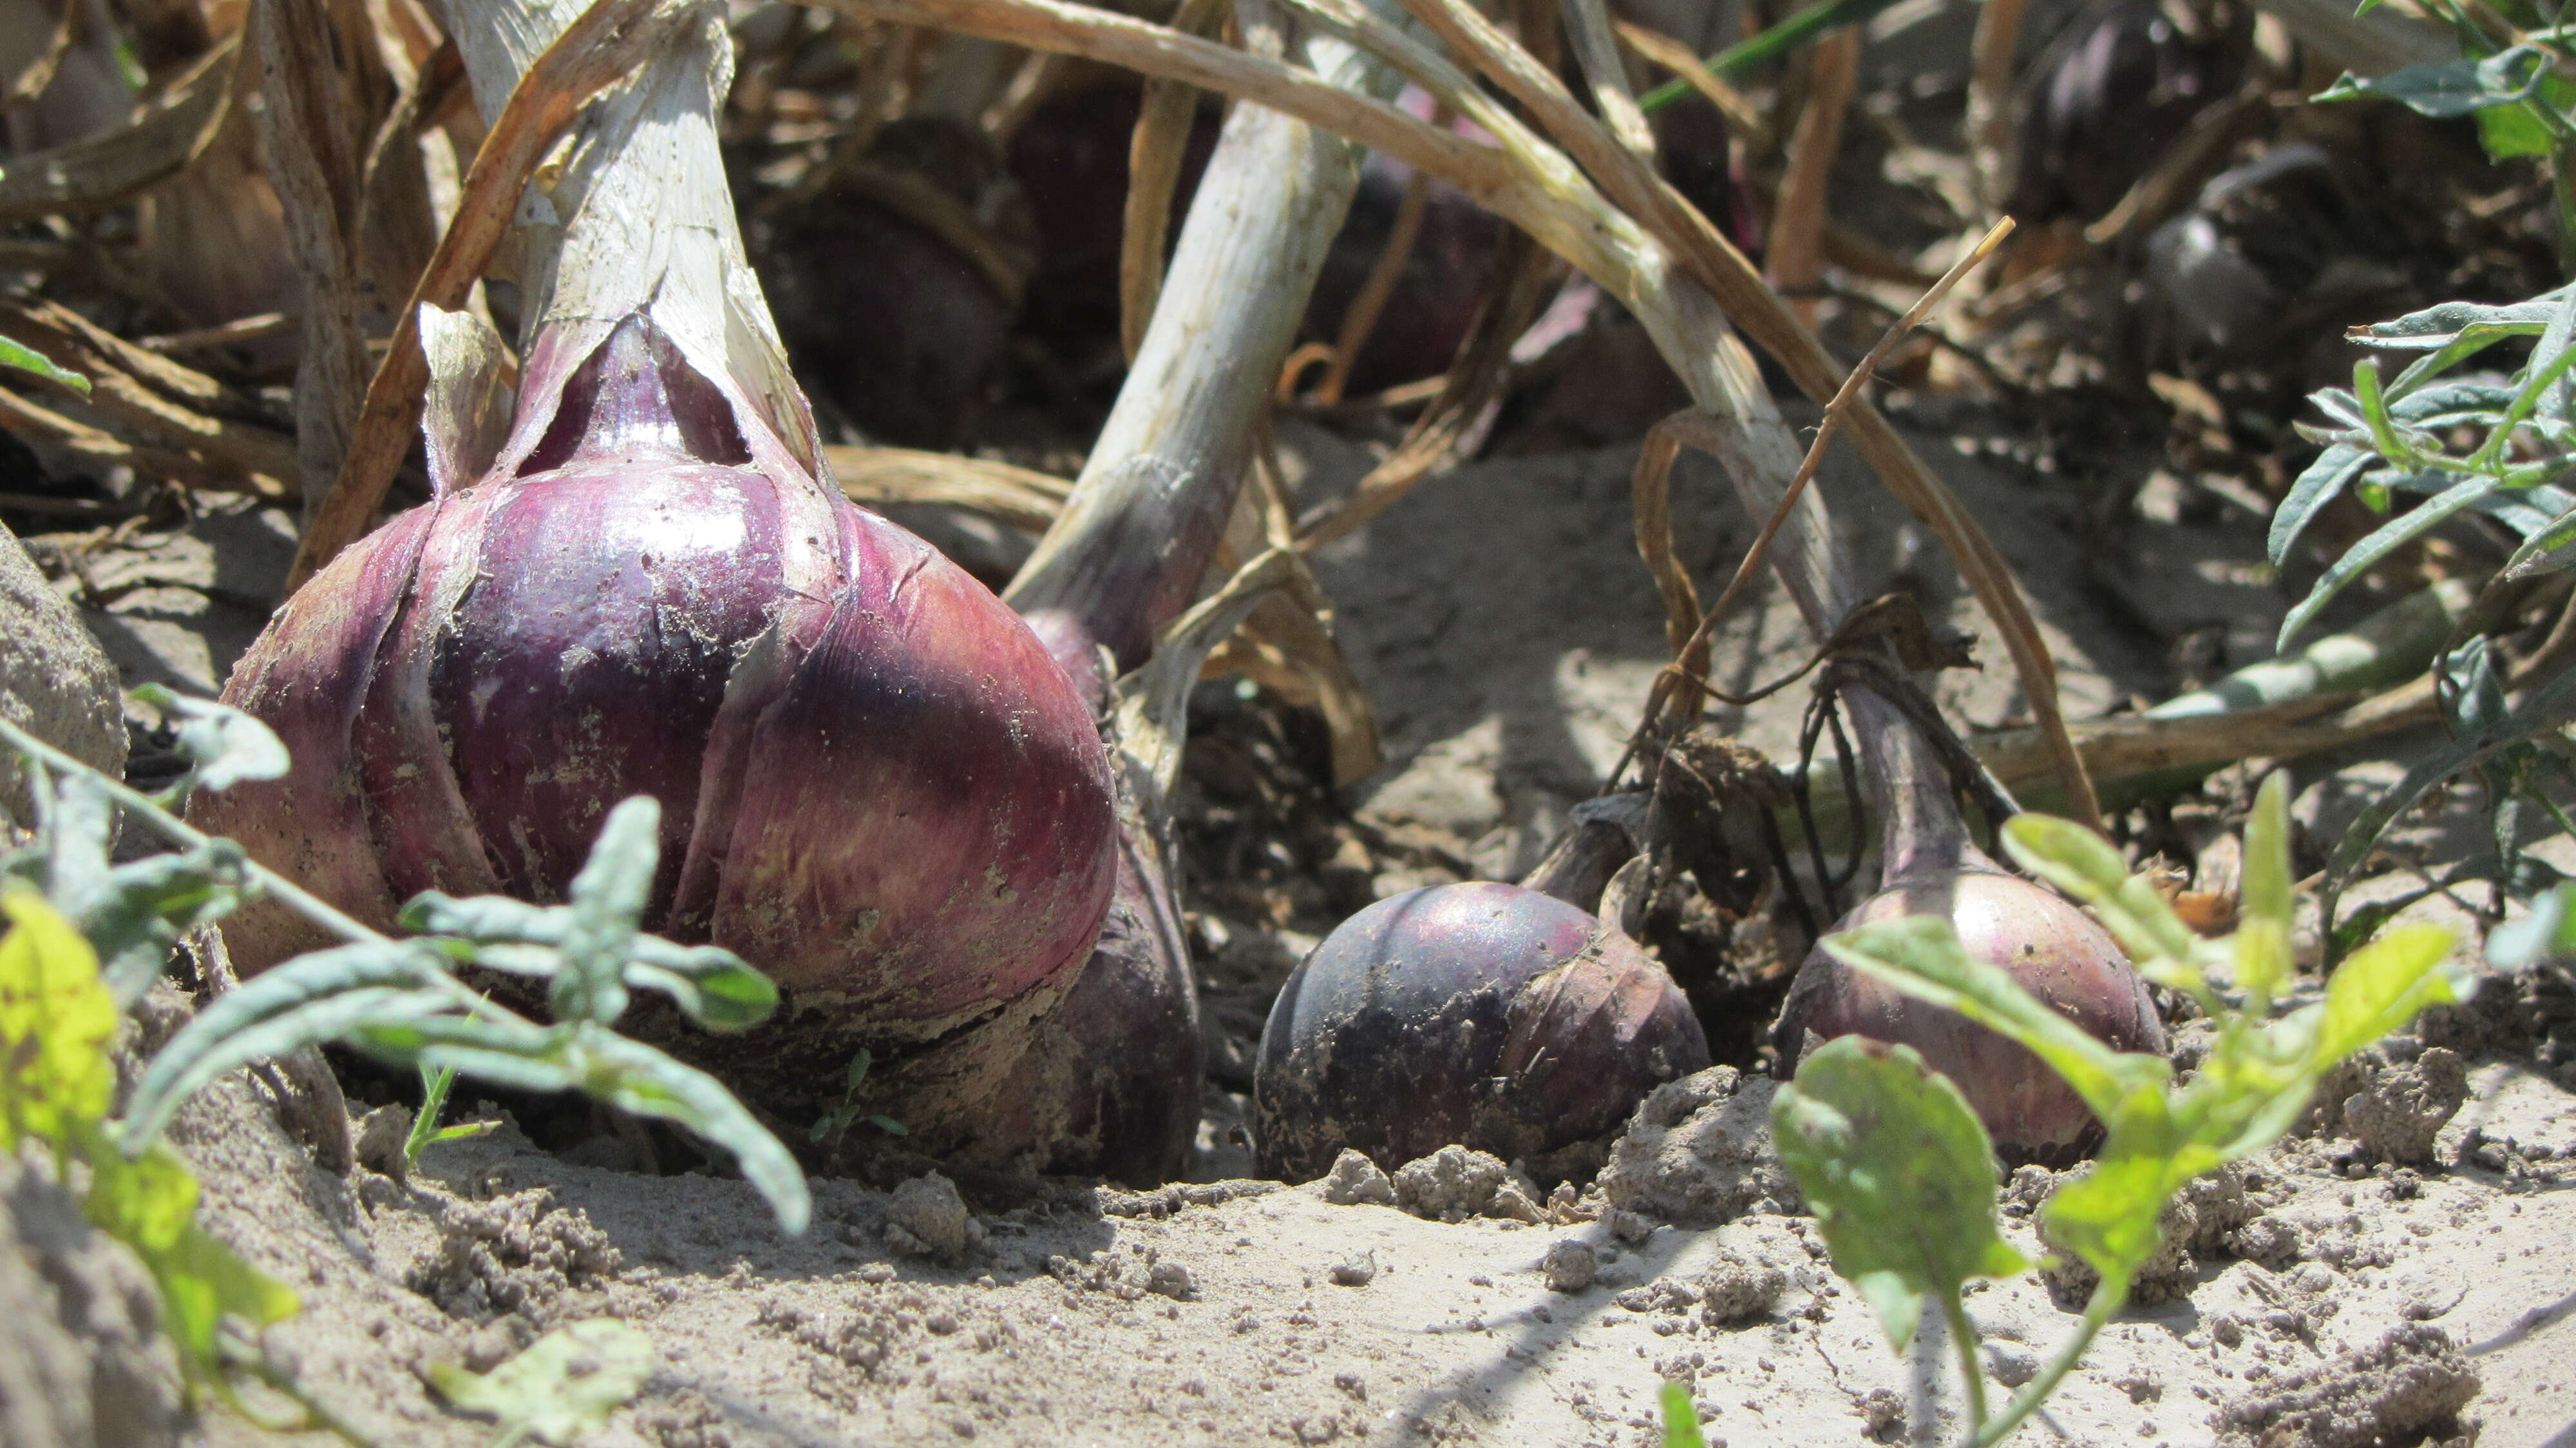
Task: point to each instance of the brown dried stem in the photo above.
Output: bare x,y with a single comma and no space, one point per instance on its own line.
1154,158
1685,681
102,171
1798,219
1361,320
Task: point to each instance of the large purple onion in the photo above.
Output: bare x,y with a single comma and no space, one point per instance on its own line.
1484,1014
876,785
632,578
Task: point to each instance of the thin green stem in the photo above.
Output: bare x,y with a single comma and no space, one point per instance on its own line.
2106,1300
312,907
433,1100
1963,1336
305,903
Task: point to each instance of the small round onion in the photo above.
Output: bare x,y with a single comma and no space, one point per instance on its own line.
2055,952
876,786
1483,1014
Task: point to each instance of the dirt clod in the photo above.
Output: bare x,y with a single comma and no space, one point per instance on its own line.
2397,1116
927,1218
515,1254
1570,1266
2409,1385
380,1138
1454,1183
1739,1292
1357,1181
82,1359
1697,1152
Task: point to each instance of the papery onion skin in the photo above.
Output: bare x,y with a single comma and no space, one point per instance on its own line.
876,785
1482,1014
2051,948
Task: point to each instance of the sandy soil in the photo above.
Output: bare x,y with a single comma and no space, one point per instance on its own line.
2362,1284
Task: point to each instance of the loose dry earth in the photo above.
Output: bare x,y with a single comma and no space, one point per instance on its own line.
2397,1273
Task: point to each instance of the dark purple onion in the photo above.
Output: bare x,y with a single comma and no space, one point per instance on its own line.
1483,1014
876,785
2054,950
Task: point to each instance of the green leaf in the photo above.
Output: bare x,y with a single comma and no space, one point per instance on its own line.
2450,324
2549,548
309,999
225,745
1898,1172
79,826
634,1077
28,359
2387,539
566,1384
2449,88
2547,933
2542,709
1922,957
2514,130
2382,987
202,1282
2084,865
56,1020
146,1203
607,898
2319,484
711,985
2266,906
2112,1216
146,905
1681,1420
2472,696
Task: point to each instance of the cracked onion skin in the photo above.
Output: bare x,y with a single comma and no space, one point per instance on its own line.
1484,1014
2049,946
876,786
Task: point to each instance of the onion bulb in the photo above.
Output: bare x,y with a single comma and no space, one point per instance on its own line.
1484,1014
876,785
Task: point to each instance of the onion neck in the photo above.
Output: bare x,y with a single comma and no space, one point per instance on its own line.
1135,538
1920,833
633,215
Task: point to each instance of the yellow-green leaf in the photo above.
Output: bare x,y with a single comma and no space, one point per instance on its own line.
564,1385
56,1020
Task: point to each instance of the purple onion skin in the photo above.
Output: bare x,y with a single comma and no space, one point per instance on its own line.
876,785
1101,1081
1482,1014
2055,952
